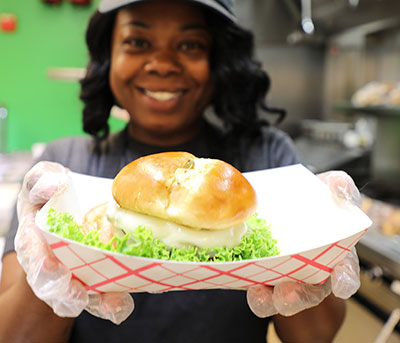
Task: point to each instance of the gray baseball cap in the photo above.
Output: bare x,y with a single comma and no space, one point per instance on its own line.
224,7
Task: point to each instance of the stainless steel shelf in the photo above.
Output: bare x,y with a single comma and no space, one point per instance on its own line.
377,249
372,110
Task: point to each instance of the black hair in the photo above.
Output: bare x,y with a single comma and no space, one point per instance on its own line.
241,84
95,88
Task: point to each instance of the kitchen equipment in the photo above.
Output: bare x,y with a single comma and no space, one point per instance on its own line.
389,326
379,253
306,20
385,152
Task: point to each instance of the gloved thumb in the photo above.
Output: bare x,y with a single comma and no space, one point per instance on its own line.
342,186
71,303
290,298
115,307
259,299
345,277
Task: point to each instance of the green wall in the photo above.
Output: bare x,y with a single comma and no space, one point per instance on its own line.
41,109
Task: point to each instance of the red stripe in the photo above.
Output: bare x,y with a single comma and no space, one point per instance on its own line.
57,245
130,272
313,263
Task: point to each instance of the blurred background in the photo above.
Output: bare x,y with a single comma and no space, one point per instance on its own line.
335,69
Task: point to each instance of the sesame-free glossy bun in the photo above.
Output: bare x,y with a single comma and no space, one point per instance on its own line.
178,187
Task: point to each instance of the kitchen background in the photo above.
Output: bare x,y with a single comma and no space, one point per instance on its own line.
335,69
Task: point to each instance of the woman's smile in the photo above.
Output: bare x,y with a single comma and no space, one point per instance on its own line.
161,100
162,95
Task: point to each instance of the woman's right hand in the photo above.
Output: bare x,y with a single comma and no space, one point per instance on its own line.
50,280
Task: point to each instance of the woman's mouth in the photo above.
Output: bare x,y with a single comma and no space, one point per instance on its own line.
162,100
162,95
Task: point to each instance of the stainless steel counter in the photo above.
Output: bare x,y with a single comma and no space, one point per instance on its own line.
380,250
379,253
320,156
380,274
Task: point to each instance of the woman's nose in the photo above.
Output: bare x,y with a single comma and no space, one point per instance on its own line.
163,63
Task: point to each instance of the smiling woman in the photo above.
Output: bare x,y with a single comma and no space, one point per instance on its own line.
160,70
163,62
195,56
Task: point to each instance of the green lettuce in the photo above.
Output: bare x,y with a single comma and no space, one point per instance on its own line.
257,242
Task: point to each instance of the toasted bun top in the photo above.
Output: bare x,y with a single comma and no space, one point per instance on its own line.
178,187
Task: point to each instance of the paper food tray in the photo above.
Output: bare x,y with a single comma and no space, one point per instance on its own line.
313,232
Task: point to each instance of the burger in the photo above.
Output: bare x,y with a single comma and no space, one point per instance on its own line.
176,206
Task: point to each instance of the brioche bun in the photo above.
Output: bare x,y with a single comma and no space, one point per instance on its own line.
178,187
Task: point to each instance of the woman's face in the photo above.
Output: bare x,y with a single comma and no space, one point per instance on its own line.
160,70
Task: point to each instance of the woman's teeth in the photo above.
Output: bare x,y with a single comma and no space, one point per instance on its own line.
162,96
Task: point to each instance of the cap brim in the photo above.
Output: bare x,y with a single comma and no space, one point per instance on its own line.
110,5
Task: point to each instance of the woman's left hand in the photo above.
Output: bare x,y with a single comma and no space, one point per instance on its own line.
50,280
289,298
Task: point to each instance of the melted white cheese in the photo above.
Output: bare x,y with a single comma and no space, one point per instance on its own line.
172,234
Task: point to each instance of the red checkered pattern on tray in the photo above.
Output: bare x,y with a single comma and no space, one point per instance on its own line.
104,272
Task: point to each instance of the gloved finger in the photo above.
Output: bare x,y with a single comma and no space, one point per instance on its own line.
115,307
39,185
71,303
49,279
345,277
46,178
342,186
38,170
290,298
27,242
259,299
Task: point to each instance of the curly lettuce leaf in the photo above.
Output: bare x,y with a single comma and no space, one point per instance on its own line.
257,242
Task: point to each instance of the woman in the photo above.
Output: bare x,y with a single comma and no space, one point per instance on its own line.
165,62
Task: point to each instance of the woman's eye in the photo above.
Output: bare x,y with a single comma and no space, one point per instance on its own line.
192,46
138,43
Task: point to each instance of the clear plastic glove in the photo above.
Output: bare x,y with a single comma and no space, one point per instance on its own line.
51,281
289,298
342,187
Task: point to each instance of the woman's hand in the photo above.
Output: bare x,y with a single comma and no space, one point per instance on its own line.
289,298
51,281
